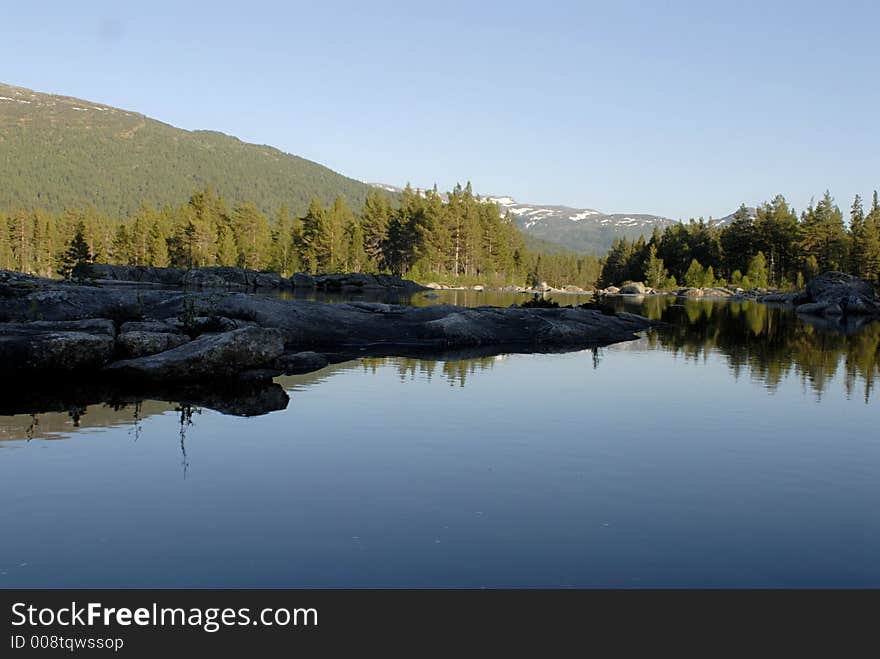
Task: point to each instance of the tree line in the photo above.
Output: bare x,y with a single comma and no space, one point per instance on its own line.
772,247
454,238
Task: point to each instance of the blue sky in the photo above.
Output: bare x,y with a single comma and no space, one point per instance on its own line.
676,108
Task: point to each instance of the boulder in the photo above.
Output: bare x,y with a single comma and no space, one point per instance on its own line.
690,292
301,362
209,356
302,280
139,344
478,287
433,285
633,288
717,292
836,293
611,290
35,347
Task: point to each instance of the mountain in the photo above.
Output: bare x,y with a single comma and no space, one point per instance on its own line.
556,228
580,229
58,151
727,220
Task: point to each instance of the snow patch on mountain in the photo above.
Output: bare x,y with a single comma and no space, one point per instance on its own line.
579,229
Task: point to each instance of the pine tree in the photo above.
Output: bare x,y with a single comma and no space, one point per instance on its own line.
757,273
695,275
21,236
316,237
157,246
824,235
123,248
227,249
355,257
374,223
252,235
281,247
858,239
338,218
76,263
6,262
872,242
656,274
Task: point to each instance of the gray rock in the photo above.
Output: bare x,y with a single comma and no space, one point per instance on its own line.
633,288
717,292
141,274
35,347
138,344
239,279
302,280
301,362
836,286
204,324
690,292
209,356
234,279
359,327
834,294
150,326
97,326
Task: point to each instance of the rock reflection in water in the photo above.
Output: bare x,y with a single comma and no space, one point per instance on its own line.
760,341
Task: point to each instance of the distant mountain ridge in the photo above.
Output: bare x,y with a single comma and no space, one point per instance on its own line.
60,151
584,230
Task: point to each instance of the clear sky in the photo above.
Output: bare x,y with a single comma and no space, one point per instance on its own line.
675,108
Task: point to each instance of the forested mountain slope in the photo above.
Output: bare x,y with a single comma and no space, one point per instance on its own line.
57,152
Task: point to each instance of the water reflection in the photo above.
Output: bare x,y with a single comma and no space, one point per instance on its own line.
645,463
767,344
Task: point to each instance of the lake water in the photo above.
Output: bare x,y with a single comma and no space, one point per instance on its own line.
736,447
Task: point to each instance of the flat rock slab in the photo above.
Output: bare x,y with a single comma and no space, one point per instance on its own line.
57,346
211,356
139,344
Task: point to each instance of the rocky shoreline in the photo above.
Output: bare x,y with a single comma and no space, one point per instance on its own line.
243,280
148,338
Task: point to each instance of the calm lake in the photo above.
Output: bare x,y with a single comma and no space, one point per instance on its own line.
737,447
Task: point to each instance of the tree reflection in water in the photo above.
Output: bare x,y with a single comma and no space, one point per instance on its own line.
768,343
